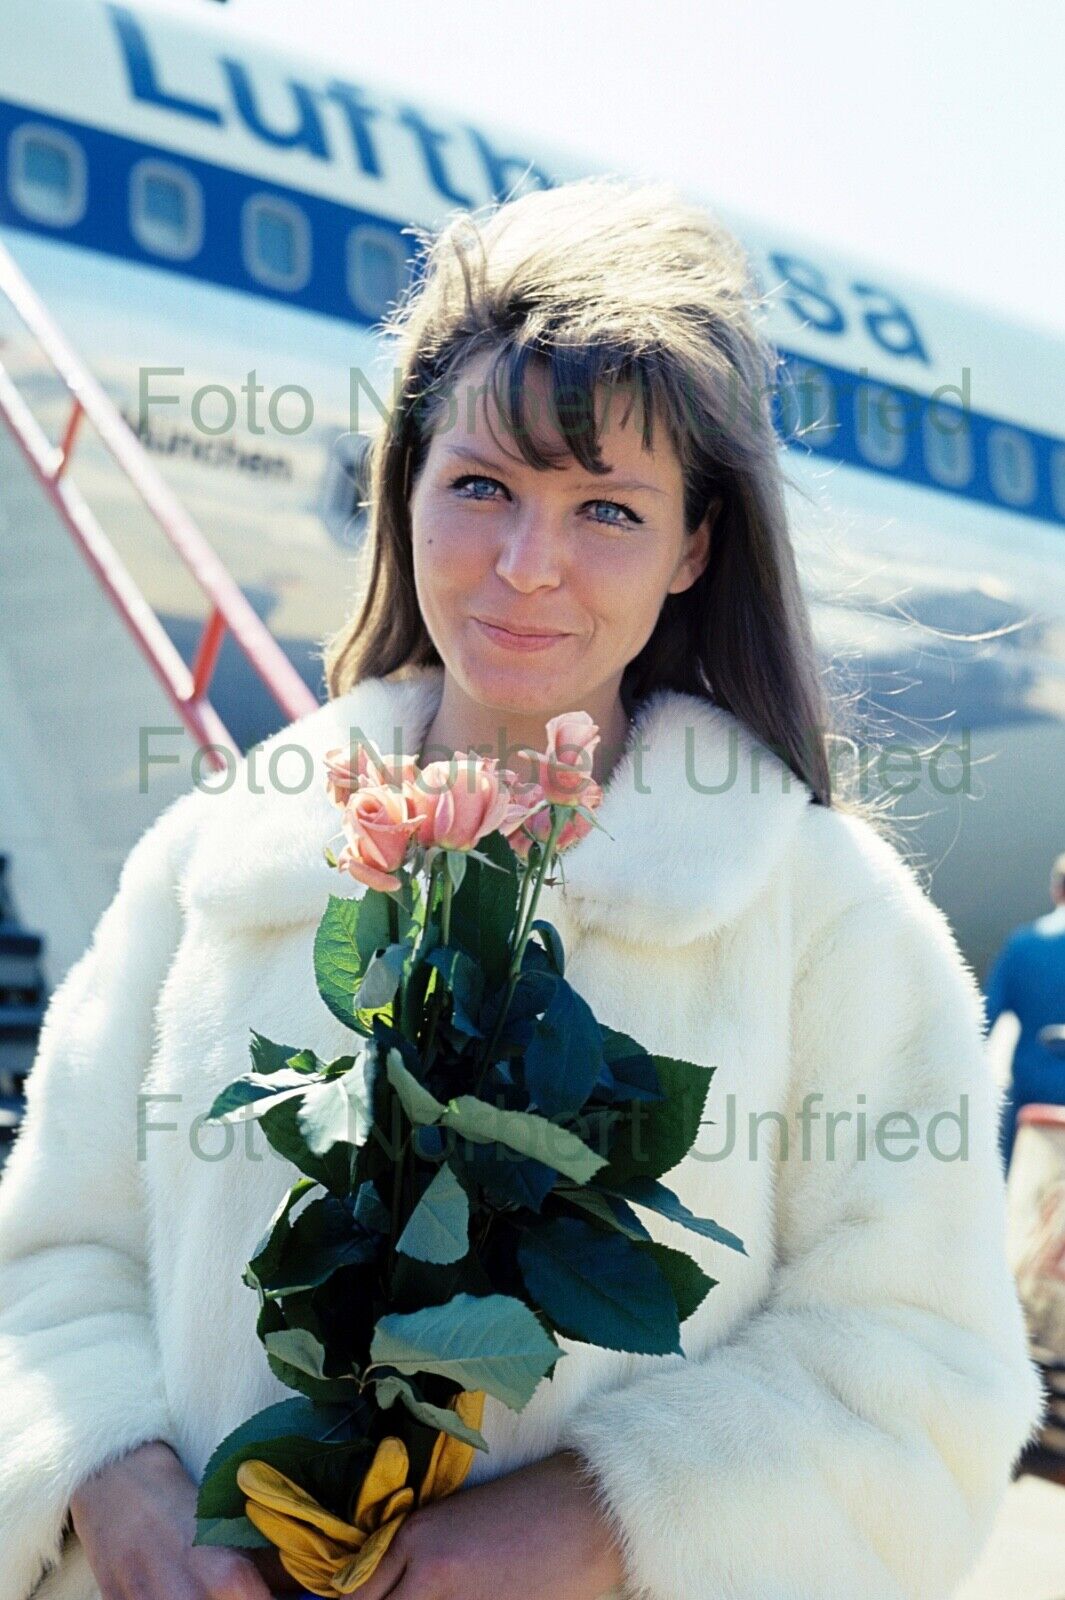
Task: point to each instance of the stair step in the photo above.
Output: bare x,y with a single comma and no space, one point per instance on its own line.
19,1029
20,953
16,1058
18,1022
12,1108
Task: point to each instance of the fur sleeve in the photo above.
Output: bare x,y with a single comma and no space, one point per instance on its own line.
79,1372
856,1434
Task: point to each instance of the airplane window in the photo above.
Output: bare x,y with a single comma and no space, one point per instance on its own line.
1012,466
46,175
377,268
1057,479
277,242
345,490
948,445
808,404
880,424
166,209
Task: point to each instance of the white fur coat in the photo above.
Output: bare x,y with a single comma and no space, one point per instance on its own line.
855,1389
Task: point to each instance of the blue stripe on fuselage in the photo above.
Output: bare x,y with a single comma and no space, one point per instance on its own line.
851,412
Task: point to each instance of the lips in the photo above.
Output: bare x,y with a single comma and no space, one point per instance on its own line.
504,639
522,633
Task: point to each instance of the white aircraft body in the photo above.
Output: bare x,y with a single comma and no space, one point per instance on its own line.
218,227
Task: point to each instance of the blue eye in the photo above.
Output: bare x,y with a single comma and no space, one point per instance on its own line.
470,479
617,506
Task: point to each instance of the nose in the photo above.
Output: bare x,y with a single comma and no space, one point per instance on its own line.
531,552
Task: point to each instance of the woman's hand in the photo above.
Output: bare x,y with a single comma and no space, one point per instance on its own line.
136,1518
532,1534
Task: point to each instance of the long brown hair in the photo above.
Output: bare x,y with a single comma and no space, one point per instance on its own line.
610,282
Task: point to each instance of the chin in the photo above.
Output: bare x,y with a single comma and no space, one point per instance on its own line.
523,686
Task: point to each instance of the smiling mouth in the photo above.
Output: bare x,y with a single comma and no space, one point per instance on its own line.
509,637
521,633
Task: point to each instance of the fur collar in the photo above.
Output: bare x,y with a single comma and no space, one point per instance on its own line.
678,863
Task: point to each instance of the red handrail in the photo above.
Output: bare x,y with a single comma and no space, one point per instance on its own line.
230,611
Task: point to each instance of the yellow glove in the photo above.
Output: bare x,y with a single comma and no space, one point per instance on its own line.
332,1557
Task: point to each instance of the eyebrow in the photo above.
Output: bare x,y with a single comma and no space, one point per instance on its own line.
602,482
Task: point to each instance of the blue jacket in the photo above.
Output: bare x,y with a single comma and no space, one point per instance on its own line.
1028,978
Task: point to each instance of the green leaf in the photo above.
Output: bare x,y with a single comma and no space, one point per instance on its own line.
456,867
465,980
337,1112
299,1349
279,1124
269,1057
421,1107
631,1067
525,1132
491,1342
370,1209
597,1287
306,1441
298,1358
483,911
252,1096
590,816
374,929
337,962
565,1054
689,1283
382,977
595,1125
438,1227
323,1239
658,1134
617,1044
307,1062
530,999
605,1208
392,1388
268,1254
296,1372
654,1196
479,855
508,1180
552,942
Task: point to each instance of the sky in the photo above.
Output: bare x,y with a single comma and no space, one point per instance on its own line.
928,136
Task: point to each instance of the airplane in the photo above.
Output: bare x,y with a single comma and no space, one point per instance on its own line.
219,226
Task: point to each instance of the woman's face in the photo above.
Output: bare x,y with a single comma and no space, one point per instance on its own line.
586,560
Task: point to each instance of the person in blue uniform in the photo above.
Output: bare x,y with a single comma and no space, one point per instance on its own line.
1028,978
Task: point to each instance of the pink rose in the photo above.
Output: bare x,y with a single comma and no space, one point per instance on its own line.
522,830
518,813
347,770
565,767
340,777
459,801
524,798
378,824
576,827
520,842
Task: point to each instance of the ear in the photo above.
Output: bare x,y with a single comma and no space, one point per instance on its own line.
696,551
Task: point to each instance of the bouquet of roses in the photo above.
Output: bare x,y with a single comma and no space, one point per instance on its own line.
471,1172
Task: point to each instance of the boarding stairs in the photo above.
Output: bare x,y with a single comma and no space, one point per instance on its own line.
84,662
22,1001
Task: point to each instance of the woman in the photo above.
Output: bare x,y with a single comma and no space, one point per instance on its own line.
857,1387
